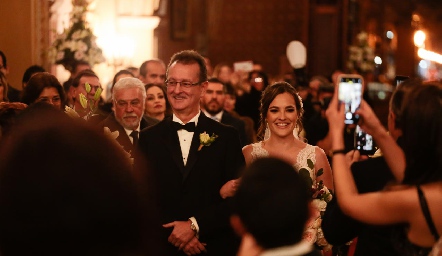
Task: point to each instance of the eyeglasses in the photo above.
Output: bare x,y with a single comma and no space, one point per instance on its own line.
93,86
125,104
185,84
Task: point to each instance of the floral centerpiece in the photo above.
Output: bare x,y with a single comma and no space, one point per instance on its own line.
76,43
320,197
361,55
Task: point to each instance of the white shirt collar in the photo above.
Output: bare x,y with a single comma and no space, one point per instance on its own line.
128,132
218,116
194,119
300,248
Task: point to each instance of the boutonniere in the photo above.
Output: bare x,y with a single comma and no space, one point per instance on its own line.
206,140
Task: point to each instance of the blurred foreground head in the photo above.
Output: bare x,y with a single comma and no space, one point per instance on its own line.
65,189
271,204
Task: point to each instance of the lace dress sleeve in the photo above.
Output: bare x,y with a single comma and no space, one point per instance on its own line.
258,151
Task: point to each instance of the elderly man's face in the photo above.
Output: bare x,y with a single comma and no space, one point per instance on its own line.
128,107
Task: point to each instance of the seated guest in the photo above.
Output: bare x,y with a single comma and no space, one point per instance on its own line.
107,106
8,114
270,210
66,189
156,103
76,68
128,97
212,104
229,106
44,87
29,72
92,113
415,204
3,88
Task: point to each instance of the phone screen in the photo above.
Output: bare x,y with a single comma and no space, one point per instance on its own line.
350,93
399,79
364,142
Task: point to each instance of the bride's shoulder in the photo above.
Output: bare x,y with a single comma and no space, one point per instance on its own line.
248,149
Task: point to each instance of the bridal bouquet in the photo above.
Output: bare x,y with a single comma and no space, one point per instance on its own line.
321,195
76,43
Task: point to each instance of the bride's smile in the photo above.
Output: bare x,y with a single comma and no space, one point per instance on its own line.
282,115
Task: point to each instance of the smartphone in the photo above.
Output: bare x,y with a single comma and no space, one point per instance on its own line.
399,79
350,93
364,142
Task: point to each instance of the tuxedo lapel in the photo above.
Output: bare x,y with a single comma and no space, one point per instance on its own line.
173,144
193,152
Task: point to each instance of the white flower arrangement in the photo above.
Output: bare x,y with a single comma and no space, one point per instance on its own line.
76,43
361,56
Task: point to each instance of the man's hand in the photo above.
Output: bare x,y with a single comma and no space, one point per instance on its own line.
229,189
354,156
181,233
194,246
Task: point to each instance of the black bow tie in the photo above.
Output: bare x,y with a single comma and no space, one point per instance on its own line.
190,127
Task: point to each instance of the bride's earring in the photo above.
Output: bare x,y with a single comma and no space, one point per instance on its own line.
267,132
296,131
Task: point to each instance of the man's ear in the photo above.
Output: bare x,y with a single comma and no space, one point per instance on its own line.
237,225
204,87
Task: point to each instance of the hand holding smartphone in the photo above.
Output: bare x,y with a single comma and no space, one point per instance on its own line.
364,142
350,93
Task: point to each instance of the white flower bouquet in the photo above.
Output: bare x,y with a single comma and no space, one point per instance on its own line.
76,43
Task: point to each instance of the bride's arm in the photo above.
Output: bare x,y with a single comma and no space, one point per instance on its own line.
322,162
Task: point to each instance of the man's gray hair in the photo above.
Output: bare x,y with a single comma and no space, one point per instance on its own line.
129,82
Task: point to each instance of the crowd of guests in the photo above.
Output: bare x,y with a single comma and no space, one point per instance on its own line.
180,160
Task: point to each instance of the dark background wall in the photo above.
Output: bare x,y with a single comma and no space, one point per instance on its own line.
259,30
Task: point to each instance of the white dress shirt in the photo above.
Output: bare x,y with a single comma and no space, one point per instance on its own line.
128,132
185,137
216,117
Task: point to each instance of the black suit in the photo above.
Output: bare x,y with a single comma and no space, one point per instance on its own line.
370,175
238,124
123,139
193,190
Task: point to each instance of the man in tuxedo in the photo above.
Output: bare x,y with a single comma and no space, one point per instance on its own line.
212,104
128,97
270,210
188,168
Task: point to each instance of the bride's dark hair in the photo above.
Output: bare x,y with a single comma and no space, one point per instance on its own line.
268,95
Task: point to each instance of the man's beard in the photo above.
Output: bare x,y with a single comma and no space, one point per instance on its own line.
130,125
218,108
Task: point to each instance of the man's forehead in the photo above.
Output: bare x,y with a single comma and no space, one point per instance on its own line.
128,94
92,80
215,86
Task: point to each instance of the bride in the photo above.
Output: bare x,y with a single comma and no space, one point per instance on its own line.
281,123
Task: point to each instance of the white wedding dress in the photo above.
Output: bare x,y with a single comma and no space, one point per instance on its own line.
308,152
313,232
